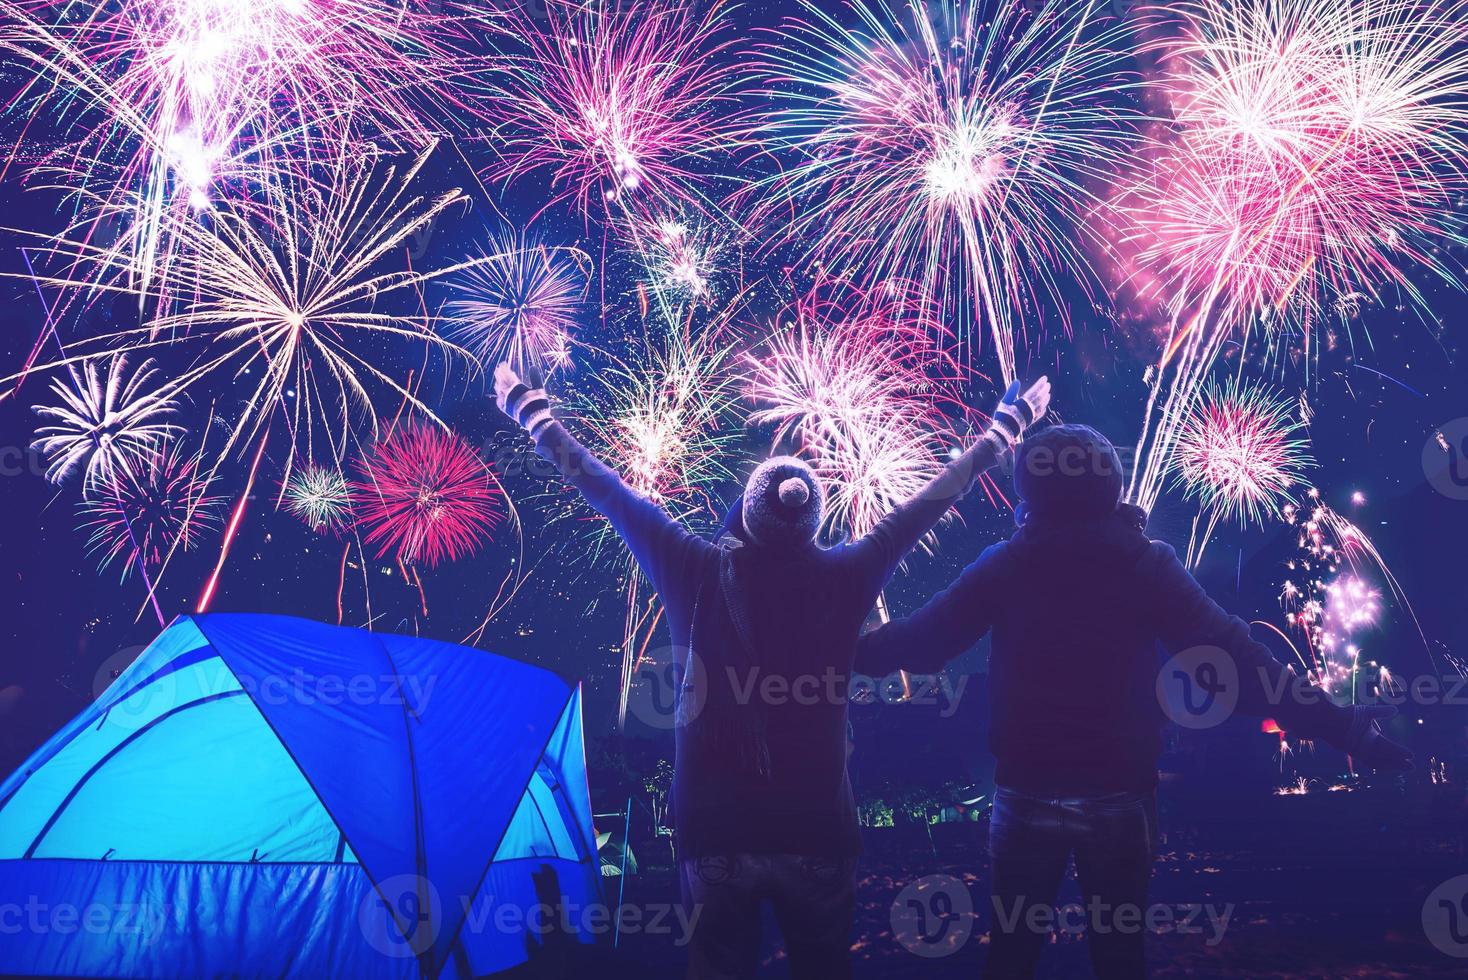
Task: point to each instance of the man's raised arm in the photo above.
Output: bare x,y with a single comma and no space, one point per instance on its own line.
887,544
663,548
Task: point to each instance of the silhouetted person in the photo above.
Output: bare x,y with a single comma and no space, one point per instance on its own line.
766,623
1078,600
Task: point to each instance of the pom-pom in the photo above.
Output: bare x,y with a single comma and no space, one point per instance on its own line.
794,492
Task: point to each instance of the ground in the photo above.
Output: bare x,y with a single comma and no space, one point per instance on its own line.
1326,885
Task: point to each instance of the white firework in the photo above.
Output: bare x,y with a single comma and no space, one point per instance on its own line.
109,423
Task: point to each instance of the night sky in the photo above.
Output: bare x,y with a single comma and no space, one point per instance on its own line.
1384,383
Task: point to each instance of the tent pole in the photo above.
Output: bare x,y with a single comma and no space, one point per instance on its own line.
622,885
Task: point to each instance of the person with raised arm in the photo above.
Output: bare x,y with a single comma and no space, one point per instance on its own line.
766,622
1078,602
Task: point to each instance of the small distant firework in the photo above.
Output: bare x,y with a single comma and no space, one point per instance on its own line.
681,260
520,303
1351,604
108,424
160,506
948,144
320,497
661,418
1329,597
1320,149
284,295
426,497
1241,452
620,102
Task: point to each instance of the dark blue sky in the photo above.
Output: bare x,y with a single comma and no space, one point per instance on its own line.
1388,382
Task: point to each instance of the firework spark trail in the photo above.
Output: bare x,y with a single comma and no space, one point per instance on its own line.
291,286
1241,454
231,530
948,145
1320,148
521,304
175,101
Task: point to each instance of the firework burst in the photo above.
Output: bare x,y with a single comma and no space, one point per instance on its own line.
320,497
1319,149
620,103
173,102
862,396
108,423
426,497
150,511
661,417
291,305
681,260
520,303
1241,452
947,145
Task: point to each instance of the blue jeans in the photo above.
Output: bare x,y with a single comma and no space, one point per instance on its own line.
1031,840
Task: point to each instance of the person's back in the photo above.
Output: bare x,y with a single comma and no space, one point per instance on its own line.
1073,664
761,752
1079,601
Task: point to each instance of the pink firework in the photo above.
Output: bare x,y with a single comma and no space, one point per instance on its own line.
426,497
1318,153
148,512
620,102
1321,145
1241,452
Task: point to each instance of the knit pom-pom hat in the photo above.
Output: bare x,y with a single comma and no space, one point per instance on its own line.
783,503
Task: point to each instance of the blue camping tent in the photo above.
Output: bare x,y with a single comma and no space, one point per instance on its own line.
266,796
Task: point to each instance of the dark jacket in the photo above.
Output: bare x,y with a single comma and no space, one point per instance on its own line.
802,611
1078,609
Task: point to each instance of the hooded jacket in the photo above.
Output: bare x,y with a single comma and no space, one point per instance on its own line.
771,632
1077,608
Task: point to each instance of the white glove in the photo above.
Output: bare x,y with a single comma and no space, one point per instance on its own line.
1016,412
528,407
